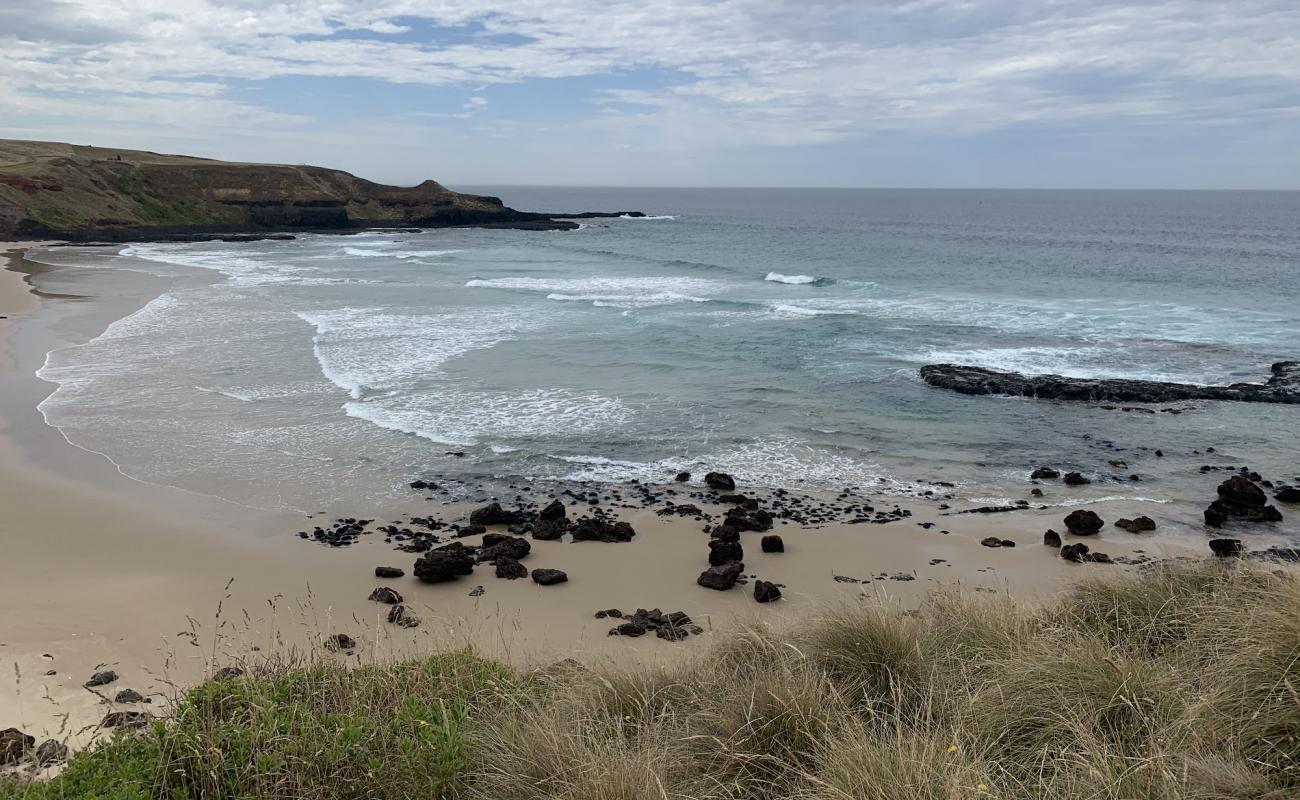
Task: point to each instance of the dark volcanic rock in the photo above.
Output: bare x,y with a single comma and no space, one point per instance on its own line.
1052,539
598,529
125,719
550,530
549,577
554,511
1075,479
389,572
683,477
1283,386
1226,548
765,592
14,744
510,568
227,674
720,552
445,563
386,596
101,679
725,533
720,481
991,541
721,577
1288,494
1044,473
1240,499
773,544
400,616
749,520
629,629
1137,525
491,514
128,696
340,641
1082,522
50,752
1239,491
1078,553
501,546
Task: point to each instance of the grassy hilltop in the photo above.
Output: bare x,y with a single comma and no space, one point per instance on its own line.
78,192
1183,683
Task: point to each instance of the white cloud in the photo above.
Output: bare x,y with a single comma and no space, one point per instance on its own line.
755,72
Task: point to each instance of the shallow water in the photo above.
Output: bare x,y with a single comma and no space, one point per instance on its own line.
774,334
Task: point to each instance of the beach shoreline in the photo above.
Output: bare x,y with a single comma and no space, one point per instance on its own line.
164,585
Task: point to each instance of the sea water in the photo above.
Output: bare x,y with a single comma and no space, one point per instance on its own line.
773,334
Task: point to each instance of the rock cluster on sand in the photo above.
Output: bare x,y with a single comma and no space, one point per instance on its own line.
17,747
445,563
671,627
1240,499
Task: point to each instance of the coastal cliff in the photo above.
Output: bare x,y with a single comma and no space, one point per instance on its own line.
82,193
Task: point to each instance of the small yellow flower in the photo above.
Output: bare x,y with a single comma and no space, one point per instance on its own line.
952,748
983,787
422,722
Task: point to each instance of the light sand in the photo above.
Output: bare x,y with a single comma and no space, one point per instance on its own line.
100,571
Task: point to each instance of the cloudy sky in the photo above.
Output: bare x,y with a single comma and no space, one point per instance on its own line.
1037,93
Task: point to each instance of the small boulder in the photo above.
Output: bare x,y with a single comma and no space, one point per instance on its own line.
1082,522
721,552
720,481
721,577
14,745
772,544
683,477
1239,491
1288,494
628,629
499,545
445,563
386,596
725,533
549,577
766,592
125,719
1075,479
389,572
491,514
555,510
50,752
1226,548
1077,553
1137,525
403,618
1036,492
1044,474
128,696
101,679
340,641
1051,538
599,529
227,674
549,530
510,568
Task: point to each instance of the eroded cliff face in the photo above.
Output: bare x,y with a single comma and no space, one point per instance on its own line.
74,192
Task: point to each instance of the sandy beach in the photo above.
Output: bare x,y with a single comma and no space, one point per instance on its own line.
161,585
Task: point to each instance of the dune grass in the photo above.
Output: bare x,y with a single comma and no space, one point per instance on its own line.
1183,682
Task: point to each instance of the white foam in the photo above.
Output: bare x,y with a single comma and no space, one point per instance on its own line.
368,252
796,280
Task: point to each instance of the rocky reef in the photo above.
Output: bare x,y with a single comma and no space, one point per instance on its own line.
79,193
1283,386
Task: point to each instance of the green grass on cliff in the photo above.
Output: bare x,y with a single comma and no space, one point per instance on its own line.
1183,683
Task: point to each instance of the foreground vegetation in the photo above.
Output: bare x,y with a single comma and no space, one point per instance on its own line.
1183,683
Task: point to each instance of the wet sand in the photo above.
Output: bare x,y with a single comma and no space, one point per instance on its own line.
101,571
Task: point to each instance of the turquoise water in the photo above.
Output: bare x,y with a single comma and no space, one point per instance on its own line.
774,334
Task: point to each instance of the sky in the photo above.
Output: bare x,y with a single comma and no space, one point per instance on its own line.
924,93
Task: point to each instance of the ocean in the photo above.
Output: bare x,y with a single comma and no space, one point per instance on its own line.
773,334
